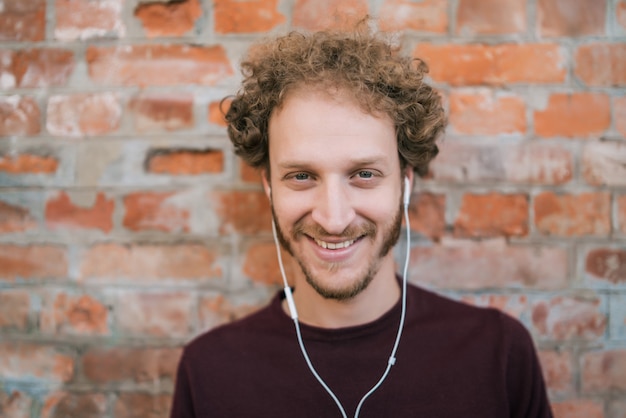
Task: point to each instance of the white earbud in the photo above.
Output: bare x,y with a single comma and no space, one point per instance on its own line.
407,191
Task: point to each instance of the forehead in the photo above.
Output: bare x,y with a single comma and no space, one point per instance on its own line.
313,126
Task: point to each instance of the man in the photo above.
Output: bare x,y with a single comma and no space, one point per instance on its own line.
339,123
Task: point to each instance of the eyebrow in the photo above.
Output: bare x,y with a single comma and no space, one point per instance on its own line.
365,161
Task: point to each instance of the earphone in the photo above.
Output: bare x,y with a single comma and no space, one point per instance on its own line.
406,197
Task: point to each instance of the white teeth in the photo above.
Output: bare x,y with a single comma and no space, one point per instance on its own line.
334,246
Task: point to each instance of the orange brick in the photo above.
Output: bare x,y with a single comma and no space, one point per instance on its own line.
513,305
135,65
216,113
162,315
557,371
168,18
603,371
566,318
601,64
37,67
73,314
236,16
573,215
491,17
234,209
32,262
28,164
578,408
423,16
620,15
216,310
249,174
19,116
23,20
492,215
621,213
162,112
619,114
185,161
321,14
15,404
15,218
149,262
66,404
571,17
574,115
135,405
123,364
62,212
427,214
488,264
493,64
485,113
607,264
83,114
85,19
261,264
155,211
604,163
43,363
14,309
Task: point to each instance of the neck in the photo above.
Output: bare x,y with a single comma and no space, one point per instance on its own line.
379,297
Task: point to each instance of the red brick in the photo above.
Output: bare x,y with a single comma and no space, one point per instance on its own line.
573,215
172,18
607,264
488,264
486,113
142,405
14,309
513,305
493,64
619,115
86,19
492,214
79,211
574,115
321,14
36,67
73,314
168,315
249,174
40,362
15,218
83,114
15,404
578,408
557,371
162,112
28,164
122,364
149,262
217,310
23,20
621,213
489,17
216,113
155,211
32,262
571,17
185,161
423,16
601,64
427,214
236,16
19,116
604,163
159,65
620,15
84,405
565,318
526,162
235,207
261,264
604,371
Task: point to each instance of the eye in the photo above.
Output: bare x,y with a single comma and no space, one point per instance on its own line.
301,176
365,174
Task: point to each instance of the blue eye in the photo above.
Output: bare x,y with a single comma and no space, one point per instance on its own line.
365,174
301,176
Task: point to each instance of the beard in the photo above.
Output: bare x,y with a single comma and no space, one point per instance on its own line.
368,230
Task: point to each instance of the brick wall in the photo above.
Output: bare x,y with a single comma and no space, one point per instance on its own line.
127,226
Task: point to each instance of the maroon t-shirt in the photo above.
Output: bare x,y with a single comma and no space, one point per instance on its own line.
454,360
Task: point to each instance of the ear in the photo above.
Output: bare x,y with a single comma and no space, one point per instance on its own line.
266,183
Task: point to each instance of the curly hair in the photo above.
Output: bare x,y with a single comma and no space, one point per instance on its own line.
361,63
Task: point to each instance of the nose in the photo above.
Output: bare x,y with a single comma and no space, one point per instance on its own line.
333,209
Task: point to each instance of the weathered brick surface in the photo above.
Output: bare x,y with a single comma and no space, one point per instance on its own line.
15,404
155,211
603,371
486,113
580,408
232,208
135,405
19,116
64,404
168,18
37,67
427,214
261,264
231,16
44,363
571,17
155,314
492,215
77,314
491,17
14,310
318,14
87,212
564,318
577,215
15,218
32,262
604,163
575,115
163,112
557,370
600,64
607,264
85,19
28,164
424,16
621,213
92,114
23,20
185,161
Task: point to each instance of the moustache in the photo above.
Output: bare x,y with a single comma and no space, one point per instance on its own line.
366,229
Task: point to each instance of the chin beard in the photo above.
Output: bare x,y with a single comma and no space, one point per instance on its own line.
390,238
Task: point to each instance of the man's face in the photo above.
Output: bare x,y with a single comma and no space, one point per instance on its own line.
335,190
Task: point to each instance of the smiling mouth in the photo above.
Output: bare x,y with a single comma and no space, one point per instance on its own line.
334,245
